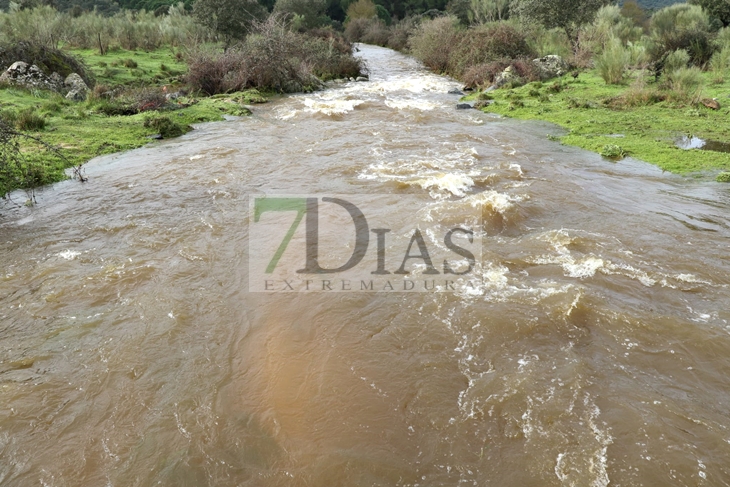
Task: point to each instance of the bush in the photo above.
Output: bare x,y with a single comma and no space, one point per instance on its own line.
684,85
720,64
613,151
130,63
488,43
676,60
682,26
613,62
165,127
401,32
376,33
28,120
723,177
433,42
273,58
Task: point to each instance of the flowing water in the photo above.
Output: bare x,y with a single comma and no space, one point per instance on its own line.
596,352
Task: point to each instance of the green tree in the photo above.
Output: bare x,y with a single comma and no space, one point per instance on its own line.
232,19
311,13
568,15
716,9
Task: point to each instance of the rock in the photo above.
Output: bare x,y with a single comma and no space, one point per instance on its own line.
467,88
362,78
76,86
352,79
155,137
551,66
509,75
463,106
173,96
454,91
57,81
711,103
28,76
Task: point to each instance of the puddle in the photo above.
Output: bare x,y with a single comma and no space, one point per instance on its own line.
688,143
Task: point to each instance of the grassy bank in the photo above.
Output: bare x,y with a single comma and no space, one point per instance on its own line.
597,118
81,131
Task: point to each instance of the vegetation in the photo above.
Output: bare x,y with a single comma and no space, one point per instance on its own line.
150,76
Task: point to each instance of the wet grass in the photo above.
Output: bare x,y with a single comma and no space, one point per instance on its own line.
598,119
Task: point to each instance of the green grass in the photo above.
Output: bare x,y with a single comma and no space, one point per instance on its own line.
647,133
81,131
121,67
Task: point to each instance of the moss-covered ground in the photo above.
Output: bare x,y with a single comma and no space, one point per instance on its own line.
595,118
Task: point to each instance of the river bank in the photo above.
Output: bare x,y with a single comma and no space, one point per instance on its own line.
600,117
138,96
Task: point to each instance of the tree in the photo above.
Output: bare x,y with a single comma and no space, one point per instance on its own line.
633,11
230,18
568,15
716,9
310,12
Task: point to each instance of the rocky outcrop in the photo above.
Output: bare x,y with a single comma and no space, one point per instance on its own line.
77,89
30,76
551,66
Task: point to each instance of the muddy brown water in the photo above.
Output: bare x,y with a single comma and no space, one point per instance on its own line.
597,351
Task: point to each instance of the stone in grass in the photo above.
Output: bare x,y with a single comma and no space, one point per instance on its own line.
712,104
77,89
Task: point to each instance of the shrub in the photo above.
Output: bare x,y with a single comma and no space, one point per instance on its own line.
130,63
434,40
483,74
682,26
676,60
487,43
613,151
723,177
684,85
401,32
613,62
273,58
376,33
166,127
720,64
28,120
362,9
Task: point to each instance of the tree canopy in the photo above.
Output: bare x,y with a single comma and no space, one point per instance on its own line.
565,14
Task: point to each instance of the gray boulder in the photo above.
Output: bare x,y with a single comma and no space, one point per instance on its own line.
509,75
77,89
551,66
464,106
29,76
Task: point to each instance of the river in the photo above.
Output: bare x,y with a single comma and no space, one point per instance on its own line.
595,352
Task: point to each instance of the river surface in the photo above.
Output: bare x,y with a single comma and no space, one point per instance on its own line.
596,351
